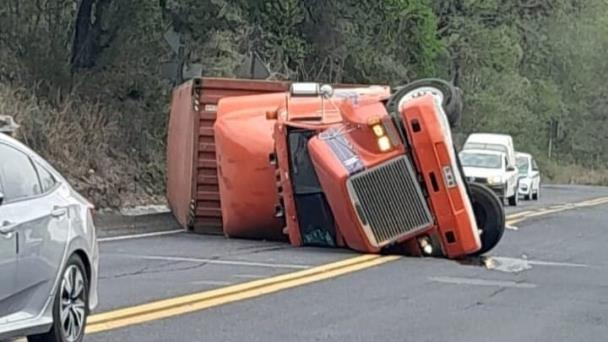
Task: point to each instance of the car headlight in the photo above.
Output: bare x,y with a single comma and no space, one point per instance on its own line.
495,180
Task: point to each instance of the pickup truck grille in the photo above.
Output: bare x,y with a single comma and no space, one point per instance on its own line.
479,180
389,201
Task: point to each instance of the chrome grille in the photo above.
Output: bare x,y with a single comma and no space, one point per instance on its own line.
389,201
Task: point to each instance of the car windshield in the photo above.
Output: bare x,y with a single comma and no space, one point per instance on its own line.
523,165
483,160
482,146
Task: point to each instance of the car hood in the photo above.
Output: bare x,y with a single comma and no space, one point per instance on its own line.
482,172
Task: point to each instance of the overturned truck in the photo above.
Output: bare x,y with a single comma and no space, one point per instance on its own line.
367,168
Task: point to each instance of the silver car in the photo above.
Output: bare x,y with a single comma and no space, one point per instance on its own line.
48,252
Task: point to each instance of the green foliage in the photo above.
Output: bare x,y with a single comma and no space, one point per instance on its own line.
524,63
521,64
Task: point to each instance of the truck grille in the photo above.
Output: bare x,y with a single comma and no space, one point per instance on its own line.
389,201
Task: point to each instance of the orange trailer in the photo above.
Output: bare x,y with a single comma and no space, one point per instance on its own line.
192,184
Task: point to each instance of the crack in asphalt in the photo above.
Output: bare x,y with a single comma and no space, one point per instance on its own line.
490,296
152,269
143,270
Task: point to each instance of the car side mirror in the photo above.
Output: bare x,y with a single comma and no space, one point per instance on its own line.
1,198
510,168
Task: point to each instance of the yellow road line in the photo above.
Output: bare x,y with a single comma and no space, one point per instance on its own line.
596,201
196,302
519,217
519,214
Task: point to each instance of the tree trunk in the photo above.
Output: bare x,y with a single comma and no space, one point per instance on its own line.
88,30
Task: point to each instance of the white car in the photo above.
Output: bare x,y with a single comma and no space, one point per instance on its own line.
529,176
491,169
48,251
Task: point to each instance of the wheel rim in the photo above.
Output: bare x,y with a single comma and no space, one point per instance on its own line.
73,303
420,92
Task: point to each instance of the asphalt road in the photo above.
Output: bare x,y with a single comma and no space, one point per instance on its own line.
546,281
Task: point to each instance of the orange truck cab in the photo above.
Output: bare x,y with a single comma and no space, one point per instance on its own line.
361,168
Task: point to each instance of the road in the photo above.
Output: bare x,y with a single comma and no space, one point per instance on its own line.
546,281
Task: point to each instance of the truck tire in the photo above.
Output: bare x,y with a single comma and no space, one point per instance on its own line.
451,96
489,215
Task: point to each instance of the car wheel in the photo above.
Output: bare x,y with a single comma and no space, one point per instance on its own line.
514,200
70,307
527,197
450,96
489,215
536,195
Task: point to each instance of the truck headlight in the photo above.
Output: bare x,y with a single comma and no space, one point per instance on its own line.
495,180
384,142
378,130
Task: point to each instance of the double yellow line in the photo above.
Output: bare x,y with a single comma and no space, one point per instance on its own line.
195,302
200,301
524,215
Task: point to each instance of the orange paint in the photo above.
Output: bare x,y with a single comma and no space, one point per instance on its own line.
253,163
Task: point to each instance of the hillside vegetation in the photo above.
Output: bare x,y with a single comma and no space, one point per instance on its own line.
83,78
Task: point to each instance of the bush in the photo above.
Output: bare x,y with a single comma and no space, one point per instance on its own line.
82,139
573,174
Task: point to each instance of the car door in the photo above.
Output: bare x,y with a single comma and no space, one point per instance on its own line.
38,218
42,246
8,260
18,185
535,175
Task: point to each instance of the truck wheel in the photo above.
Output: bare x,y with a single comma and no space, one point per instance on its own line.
489,215
450,96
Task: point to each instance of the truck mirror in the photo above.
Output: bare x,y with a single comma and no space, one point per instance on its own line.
510,168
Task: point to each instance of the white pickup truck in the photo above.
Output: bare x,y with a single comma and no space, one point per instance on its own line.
489,159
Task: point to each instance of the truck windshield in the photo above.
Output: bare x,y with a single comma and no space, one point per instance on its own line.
482,146
483,160
523,164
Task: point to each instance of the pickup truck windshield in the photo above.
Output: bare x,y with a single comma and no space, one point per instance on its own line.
488,161
482,146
